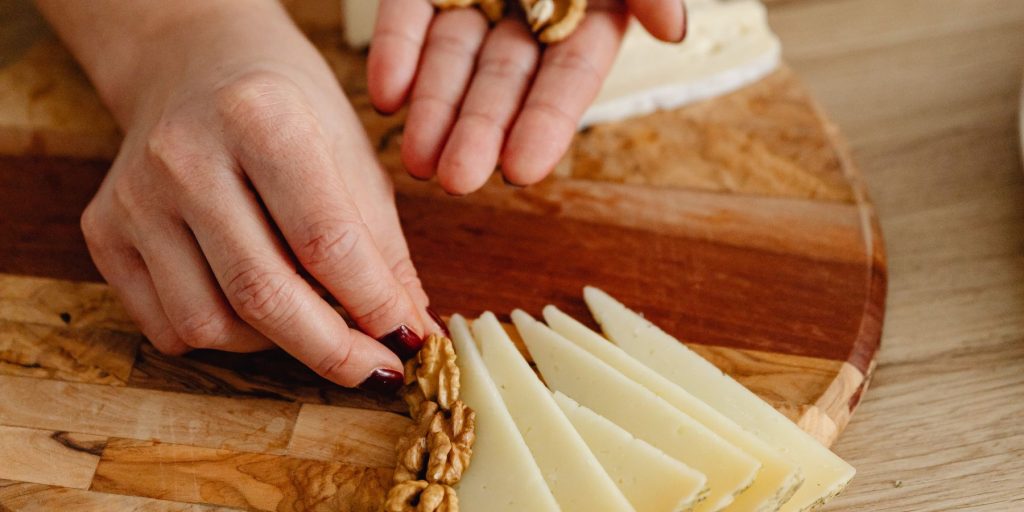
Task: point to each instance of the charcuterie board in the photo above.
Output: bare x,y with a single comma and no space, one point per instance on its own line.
738,224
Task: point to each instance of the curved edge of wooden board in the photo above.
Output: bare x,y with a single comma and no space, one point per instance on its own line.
846,393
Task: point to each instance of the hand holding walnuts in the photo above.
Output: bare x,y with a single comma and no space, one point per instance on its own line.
482,96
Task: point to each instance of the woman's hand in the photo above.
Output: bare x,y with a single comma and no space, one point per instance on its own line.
482,96
242,164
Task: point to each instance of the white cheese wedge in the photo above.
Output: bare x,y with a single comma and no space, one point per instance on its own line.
358,18
502,477
779,477
572,472
588,380
825,473
728,45
651,480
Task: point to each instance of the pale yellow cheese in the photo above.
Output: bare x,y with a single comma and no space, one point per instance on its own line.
779,477
502,476
825,473
571,470
593,383
358,19
650,479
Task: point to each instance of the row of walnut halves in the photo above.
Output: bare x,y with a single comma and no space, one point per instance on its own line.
436,449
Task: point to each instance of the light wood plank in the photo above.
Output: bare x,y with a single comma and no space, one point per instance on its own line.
58,303
244,480
45,457
29,497
95,356
343,434
216,422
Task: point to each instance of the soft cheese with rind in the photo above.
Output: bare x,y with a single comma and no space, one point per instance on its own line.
779,477
728,45
503,477
825,473
650,479
572,472
593,383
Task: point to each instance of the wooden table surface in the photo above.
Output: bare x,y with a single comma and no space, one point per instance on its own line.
927,94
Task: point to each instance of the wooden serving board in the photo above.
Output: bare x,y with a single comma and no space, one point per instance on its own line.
738,224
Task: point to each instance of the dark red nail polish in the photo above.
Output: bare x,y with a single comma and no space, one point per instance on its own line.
402,341
686,23
437,320
384,381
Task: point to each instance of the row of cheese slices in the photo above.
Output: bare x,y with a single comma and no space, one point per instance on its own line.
639,423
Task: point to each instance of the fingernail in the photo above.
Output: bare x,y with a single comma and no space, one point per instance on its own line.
402,341
384,381
440,323
685,24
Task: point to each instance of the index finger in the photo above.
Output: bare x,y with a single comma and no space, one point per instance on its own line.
395,50
664,19
570,76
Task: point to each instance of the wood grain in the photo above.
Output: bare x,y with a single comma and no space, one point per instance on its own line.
243,480
44,457
95,356
29,497
352,436
240,424
62,304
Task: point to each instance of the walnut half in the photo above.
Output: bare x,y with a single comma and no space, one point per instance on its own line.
554,20
420,496
432,375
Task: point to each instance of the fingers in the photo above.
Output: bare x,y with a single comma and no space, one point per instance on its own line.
503,73
283,151
126,273
191,298
664,19
569,79
264,289
395,52
445,69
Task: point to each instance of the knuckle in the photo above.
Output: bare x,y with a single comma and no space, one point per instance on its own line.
260,296
553,111
405,272
329,243
330,367
574,61
167,343
266,107
378,306
204,329
504,68
91,224
453,46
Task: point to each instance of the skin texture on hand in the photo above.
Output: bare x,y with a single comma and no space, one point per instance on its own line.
482,97
242,163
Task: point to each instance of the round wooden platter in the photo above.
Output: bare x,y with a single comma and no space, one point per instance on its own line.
738,224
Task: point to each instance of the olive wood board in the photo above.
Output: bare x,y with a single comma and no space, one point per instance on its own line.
738,224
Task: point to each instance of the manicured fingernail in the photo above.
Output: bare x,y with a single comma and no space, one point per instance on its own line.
685,25
440,323
384,381
402,341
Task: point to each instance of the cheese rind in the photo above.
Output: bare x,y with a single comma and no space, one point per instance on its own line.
595,384
825,473
728,45
572,472
650,479
779,477
502,477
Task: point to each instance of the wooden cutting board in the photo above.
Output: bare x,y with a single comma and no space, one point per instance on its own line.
738,224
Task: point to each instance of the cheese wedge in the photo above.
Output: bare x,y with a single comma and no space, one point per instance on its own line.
570,469
502,477
779,477
358,18
825,473
651,480
575,372
728,45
